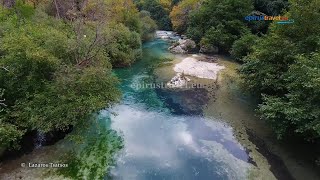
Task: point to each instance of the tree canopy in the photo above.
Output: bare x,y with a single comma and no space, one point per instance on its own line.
219,23
56,59
159,10
180,14
284,69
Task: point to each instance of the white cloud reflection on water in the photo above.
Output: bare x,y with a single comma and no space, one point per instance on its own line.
159,145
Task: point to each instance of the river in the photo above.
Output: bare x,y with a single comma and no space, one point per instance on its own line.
162,145
194,134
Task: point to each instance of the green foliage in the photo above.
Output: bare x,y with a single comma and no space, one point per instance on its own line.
68,101
158,12
56,73
125,12
124,46
284,67
24,10
217,36
32,53
180,14
299,110
9,135
149,26
95,159
219,23
271,7
243,46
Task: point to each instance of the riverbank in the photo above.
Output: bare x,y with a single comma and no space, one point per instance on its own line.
285,160
227,102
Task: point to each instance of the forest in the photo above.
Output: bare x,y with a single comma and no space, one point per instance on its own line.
57,58
56,61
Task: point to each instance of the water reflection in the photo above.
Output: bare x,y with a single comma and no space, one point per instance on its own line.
159,145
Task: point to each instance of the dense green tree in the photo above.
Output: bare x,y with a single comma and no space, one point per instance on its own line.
298,111
284,68
219,23
56,61
243,46
149,26
158,11
57,74
271,7
70,100
9,133
124,46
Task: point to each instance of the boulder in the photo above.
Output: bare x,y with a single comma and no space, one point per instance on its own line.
177,49
183,46
187,44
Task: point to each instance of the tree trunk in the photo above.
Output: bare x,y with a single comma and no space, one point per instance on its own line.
57,9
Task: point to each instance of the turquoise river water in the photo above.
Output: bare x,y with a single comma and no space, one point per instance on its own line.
160,144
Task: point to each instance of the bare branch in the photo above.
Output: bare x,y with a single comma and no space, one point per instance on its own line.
96,42
57,9
5,68
2,103
2,100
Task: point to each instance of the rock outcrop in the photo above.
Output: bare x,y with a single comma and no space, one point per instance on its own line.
183,46
193,67
177,50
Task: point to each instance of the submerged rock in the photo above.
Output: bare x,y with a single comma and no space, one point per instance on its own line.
185,101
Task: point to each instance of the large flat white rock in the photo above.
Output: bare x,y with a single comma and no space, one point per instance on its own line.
193,67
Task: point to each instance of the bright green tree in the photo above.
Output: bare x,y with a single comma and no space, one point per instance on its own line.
284,69
243,46
219,23
158,12
56,76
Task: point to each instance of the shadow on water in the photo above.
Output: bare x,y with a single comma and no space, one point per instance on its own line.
278,168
